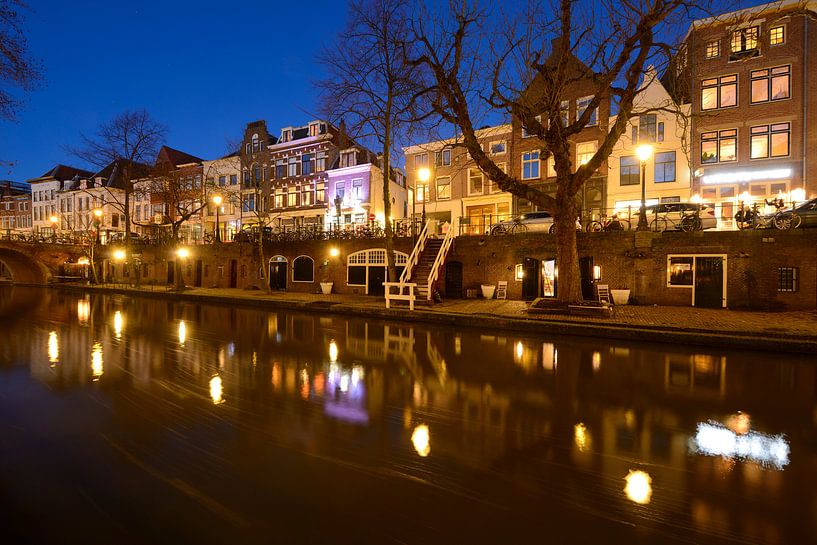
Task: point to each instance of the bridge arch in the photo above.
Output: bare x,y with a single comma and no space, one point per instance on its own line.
22,266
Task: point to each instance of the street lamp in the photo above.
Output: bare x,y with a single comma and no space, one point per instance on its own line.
97,221
54,221
423,174
182,254
217,200
644,152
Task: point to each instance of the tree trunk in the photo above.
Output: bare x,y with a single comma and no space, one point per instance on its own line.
262,269
390,260
567,255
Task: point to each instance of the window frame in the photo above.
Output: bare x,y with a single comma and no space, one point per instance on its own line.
594,119
621,166
782,29
420,160
664,168
769,77
441,195
788,279
718,138
471,176
716,47
312,270
768,134
718,86
531,160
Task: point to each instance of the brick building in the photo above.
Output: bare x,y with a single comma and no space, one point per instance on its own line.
15,207
752,97
456,187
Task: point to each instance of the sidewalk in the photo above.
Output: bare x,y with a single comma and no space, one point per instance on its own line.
784,331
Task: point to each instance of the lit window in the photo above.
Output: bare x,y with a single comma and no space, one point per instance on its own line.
744,40
585,151
530,165
777,35
475,181
770,141
719,92
713,49
771,84
444,188
720,146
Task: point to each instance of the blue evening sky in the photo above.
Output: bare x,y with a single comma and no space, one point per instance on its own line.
203,68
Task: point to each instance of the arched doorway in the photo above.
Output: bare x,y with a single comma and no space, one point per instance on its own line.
367,269
278,272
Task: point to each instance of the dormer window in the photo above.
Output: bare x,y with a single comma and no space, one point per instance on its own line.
256,146
286,135
316,128
744,43
348,158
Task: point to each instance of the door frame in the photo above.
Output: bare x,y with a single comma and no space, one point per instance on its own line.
691,288
276,259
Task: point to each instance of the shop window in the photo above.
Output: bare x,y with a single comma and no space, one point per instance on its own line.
680,271
303,269
787,279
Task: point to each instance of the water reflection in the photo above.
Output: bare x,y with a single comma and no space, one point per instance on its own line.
510,412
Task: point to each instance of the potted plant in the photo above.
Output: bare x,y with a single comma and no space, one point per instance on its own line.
326,277
620,296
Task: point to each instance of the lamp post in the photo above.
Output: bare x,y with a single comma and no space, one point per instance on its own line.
119,256
217,200
423,174
97,221
54,222
644,153
181,254
338,204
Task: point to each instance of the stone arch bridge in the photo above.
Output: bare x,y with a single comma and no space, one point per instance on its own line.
35,263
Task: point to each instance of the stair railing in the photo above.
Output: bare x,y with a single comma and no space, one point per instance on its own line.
441,255
414,258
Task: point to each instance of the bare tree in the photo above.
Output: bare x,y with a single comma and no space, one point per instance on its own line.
129,142
525,62
18,70
373,89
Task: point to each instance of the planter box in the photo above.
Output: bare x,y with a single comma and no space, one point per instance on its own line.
326,287
620,297
488,290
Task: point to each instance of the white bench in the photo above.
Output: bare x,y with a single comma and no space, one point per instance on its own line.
400,295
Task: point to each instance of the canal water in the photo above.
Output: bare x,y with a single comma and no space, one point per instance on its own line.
144,420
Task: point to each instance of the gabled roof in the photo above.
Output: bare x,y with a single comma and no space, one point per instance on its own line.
61,173
114,175
176,157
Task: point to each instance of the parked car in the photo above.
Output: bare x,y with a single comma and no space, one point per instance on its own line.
806,210
674,212
530,222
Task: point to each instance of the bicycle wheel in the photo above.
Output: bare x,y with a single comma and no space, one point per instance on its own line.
595,227
659,225
691,223
782,221
497,230
796,220
552,229
519,228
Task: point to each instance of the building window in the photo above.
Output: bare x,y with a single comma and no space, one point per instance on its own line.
713,49
306,195
564,112
770,141
581,105
306,164
233,179
357,189
320,192
292,196
719,92
255,144
293,166
348,158
475,181
320,161
222,181
744,43
680,271
420,160
629,170
279,198
647,127
530,165
665,167
442,158
303,269
422,191
719,147
787,279
661,131
771,84
248,203
498,148
256,172
777,35
585,151
444,188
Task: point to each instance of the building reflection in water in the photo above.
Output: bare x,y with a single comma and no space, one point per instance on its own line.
496,402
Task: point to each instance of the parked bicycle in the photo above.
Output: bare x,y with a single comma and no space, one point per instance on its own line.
750,218
688,222
612,223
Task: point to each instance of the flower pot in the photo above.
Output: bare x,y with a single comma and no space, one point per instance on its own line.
488,290
620,297
326,287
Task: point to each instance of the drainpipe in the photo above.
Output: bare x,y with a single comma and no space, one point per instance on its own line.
805,102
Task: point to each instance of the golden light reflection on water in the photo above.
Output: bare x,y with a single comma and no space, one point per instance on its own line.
581,436
421,439
118,324
333,351
97,365
217,390
639,487
83,311
53,348
182,333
